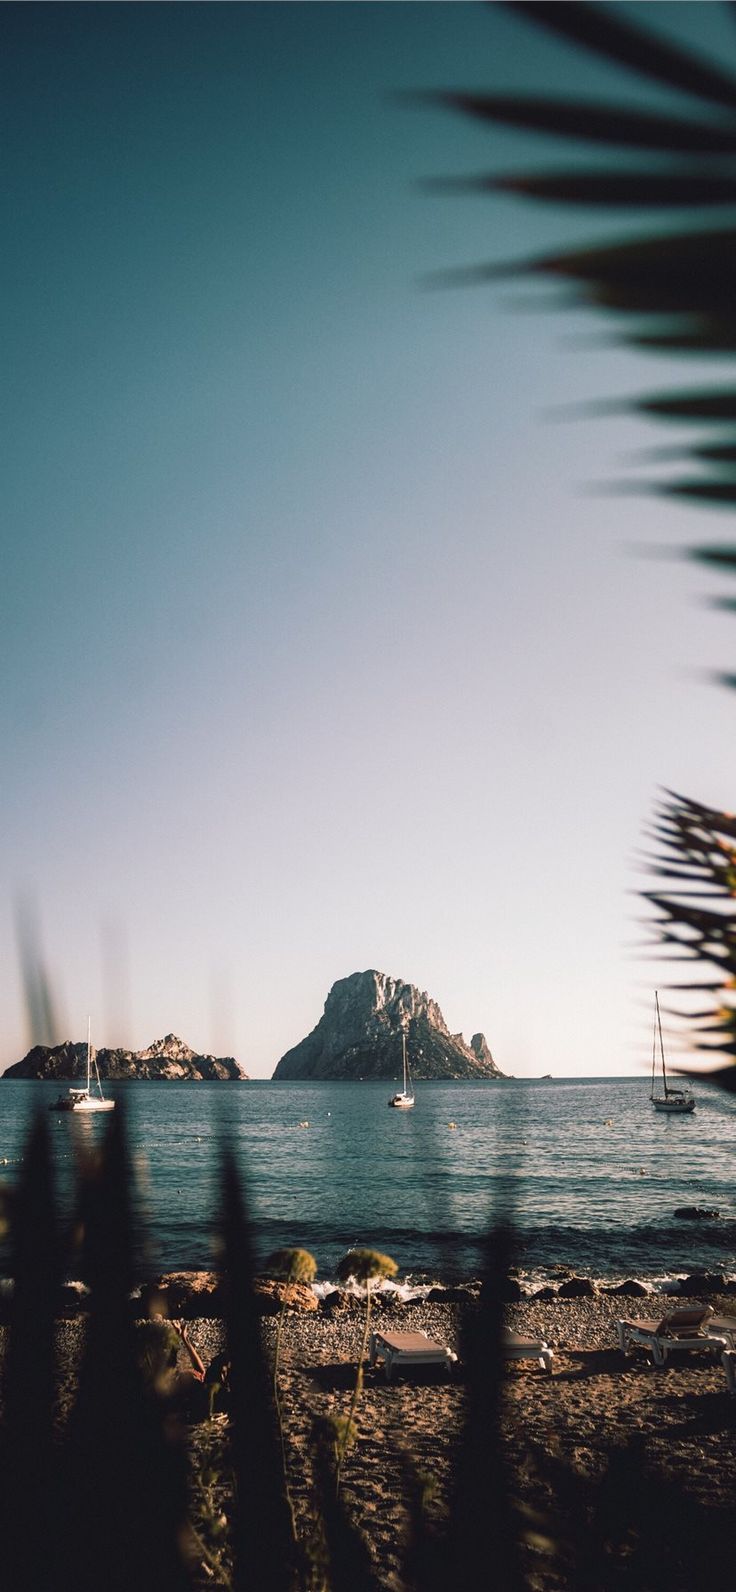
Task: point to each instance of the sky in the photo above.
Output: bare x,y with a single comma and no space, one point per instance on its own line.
317,650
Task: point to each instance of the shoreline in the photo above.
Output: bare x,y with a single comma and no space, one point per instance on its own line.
192,1292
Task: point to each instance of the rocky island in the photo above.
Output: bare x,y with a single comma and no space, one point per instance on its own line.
165,1058
359,1036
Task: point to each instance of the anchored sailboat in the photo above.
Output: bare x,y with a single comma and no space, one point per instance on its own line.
82,1099
406,1097
672,1100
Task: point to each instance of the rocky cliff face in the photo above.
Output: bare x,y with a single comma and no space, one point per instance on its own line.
359,1036
166,1058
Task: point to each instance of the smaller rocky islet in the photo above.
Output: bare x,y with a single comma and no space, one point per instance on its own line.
168,1058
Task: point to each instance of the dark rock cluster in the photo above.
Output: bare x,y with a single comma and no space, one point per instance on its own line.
187,1295
360,1036
696,1213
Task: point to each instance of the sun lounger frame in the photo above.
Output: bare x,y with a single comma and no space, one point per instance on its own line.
416,1348
515,1347
407,1348
675,1333
722,1327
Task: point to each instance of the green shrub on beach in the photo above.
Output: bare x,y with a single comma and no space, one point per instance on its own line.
365,1266
292,1265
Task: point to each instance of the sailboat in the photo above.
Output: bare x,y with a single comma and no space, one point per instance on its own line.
82,1099
406,1098
672,1100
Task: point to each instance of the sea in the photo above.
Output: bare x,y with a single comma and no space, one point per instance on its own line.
587,1174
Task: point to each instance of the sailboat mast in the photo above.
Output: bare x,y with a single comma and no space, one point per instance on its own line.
403,1044
89,1040
654,1050
661,1042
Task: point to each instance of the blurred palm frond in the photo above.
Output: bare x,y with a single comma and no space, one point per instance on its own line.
695,911
668,289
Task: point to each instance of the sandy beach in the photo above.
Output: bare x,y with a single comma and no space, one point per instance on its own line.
558,1430
595,1401
563,1425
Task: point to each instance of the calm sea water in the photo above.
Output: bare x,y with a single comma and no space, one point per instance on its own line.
590,1174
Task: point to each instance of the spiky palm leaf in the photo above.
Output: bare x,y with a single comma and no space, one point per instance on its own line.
695,907
668,290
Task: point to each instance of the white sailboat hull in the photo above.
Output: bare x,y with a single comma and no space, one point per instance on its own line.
404,1100
675,1102
79,1098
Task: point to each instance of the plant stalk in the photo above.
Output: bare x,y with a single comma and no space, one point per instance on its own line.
357,1388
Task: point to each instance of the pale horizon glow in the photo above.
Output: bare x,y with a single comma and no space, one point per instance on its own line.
318,653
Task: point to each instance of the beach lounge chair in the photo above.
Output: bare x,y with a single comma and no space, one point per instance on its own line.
514,1347
723,1327
407,1348
728,1361
674,1333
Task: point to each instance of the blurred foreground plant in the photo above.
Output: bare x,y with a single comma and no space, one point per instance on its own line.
290,1265
364,1266
263,1530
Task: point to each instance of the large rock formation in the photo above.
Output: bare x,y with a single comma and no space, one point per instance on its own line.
166,1058
359,1036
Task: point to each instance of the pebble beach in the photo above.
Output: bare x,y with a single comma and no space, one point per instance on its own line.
595,1401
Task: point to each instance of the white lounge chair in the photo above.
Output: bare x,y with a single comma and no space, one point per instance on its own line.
407,1348
515,1347
675,1333
723,1327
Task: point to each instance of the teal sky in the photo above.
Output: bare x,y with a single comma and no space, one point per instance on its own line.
315,654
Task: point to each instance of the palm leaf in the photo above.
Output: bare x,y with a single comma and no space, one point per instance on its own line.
680,281
610,35
588,121
670,292
656,190
688,830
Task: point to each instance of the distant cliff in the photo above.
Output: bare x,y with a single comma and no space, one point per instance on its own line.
166,1058
359,1036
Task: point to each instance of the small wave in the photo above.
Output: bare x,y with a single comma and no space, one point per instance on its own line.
404,1291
